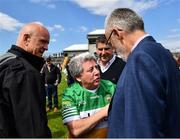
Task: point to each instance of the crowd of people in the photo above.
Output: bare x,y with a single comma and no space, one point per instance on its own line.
130,90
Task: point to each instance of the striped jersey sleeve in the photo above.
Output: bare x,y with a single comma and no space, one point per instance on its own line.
69,110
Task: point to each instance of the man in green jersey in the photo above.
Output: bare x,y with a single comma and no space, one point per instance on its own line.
85,103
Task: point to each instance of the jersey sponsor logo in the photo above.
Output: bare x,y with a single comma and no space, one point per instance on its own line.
108,97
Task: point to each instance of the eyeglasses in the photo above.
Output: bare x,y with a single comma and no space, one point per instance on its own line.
109,37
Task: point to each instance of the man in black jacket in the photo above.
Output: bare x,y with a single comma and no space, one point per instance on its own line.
52,76
111,66
22,99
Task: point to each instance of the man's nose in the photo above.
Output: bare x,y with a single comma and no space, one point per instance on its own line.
103,51
96,70
46,47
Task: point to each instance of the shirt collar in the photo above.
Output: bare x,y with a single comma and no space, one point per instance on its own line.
138,41
108,64
92,91
34,60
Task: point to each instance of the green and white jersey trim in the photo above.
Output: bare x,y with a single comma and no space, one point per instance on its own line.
79,103
70,114
89,113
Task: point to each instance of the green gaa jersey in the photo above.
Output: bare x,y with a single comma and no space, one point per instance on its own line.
79,103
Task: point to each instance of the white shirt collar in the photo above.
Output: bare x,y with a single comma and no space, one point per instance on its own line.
108,64
93,91
138,41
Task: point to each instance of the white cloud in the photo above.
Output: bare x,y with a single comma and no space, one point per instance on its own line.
53,40
103,7
56,27
166,2
38,22
47,3
56,35
171,36
174,30
171,44
9,23
78,29
60,27
52,6
83,28
50,28
172,40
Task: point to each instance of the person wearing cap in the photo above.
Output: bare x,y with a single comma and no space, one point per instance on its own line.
52,77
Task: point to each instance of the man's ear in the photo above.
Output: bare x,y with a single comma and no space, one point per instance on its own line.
26,39
118,33
78,79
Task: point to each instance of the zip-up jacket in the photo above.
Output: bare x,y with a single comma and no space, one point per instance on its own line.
22,97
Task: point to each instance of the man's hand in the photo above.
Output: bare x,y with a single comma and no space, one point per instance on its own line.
56,83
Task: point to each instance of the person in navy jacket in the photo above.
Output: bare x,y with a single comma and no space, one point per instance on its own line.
147,98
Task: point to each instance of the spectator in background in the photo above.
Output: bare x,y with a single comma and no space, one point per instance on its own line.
59,66
85,103
70,79
22,98
111,66
52,76
147,98
65,61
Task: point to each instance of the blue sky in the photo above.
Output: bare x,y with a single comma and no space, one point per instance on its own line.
69,21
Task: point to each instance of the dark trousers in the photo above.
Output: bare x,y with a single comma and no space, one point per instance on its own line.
51,90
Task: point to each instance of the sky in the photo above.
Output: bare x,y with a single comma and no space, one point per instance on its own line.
69,21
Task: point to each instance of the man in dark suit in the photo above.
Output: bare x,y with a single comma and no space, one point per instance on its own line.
110,65
147,98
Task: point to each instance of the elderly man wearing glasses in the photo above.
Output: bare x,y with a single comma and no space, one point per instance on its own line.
85,103
111,66
146,103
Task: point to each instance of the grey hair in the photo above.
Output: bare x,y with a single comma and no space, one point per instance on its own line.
124,18
75,64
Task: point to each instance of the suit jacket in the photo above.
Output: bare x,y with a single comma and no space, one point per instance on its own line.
147,98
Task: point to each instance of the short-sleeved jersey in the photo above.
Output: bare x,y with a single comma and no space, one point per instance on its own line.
79,103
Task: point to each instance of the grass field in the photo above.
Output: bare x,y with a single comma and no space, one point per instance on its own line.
58,130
